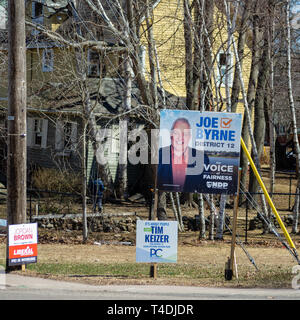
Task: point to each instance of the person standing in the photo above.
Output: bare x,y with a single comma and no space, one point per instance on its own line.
98,188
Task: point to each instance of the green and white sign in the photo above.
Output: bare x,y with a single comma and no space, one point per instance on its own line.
156,241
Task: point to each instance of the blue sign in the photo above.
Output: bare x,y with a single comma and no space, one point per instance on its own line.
156,241
199,151
3,223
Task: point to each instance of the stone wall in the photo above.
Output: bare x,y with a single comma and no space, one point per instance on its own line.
96,223
103,223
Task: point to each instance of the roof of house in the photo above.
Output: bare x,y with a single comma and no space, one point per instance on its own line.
107,97
54,5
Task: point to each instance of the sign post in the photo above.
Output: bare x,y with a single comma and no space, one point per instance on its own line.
231,261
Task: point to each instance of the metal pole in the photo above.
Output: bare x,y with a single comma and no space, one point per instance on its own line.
282,226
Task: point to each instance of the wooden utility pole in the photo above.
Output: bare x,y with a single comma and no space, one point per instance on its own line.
16,116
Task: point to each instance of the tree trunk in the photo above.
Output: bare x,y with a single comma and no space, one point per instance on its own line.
161,206
179,211
260,122
271,110
92,130
236,85
221,219
203,65
151,55
296,212
84,184
259,114
202,234
212,219
123,131
189,61
223,199
293,113
175,211
250,95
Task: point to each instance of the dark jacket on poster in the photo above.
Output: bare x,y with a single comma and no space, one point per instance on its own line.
165,174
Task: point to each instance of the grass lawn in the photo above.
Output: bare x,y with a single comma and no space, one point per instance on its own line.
199,265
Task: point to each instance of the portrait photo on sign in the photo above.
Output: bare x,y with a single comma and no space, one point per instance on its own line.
198,151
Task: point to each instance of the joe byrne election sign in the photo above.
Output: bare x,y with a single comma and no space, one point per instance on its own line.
156,241
22,243
199,151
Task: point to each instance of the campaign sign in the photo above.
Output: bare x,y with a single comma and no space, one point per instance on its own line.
156,241
199,151
22,242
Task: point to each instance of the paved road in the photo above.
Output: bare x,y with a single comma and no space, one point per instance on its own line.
21,287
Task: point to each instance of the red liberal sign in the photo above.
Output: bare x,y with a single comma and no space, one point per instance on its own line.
22,241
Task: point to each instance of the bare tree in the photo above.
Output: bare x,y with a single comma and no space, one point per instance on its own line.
293,111
251,90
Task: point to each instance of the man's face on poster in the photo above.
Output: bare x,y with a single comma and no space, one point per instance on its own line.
180,136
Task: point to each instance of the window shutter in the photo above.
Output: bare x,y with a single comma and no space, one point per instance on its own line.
115,139
44,133
48,60
142,57
30,124
224,61
59,135
74,136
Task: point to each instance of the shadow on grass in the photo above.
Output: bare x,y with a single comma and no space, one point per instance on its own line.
106,276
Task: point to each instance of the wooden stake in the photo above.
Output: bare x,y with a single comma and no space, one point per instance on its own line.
235,266
153,267
234,223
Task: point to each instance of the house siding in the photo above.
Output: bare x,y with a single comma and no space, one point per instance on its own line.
49,157
168,33
112,156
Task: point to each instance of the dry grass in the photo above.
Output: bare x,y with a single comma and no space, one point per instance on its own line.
62,255
200,263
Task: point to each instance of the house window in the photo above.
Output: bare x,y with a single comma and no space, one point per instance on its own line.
37,12
224,65
66,136
37,9
48,60
37,129
94,63
142,57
